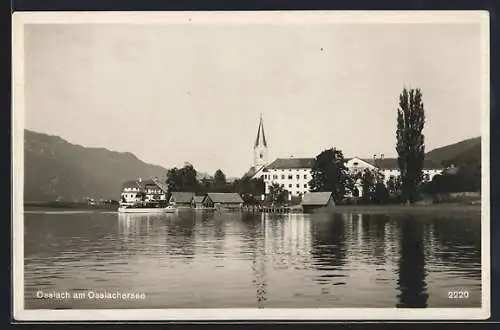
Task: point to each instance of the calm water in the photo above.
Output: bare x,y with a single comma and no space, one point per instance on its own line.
207,260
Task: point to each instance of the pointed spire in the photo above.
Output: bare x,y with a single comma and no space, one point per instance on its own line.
261,137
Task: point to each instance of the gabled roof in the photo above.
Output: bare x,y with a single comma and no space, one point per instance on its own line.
131,184
225,198
286,163
316,198
198,199
162,185
182,196
392,163
141,184
252,172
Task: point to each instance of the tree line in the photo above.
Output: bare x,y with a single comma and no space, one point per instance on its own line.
330,173
186,179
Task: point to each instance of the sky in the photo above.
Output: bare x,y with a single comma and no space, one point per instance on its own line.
194,93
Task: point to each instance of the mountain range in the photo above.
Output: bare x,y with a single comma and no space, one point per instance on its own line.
55,169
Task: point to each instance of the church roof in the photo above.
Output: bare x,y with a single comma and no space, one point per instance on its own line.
261,137
252,171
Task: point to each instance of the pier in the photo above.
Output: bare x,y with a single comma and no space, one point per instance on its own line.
272,209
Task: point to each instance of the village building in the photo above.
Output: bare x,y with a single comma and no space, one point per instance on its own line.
318,202
389,167
292,174
223,200
149,191
181,198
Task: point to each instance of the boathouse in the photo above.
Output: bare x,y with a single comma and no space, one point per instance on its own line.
318,202
197,202
223,200
181,198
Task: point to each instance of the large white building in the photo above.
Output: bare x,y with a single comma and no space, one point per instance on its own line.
294,174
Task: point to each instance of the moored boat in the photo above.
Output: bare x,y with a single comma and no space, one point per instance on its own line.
128,209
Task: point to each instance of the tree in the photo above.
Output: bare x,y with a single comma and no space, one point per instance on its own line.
183,179
205,185
410,142
368,181
330,174
277,194
393,184
220,183
246,185
381,195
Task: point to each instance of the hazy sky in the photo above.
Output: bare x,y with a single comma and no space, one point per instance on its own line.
176,93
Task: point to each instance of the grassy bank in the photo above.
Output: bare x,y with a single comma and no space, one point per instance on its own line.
70,205
410,209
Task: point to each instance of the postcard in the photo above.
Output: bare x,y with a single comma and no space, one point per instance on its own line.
293,165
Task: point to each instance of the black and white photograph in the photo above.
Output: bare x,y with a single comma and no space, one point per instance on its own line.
251,165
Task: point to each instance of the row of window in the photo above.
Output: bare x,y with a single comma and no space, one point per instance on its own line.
134,196
290,177
131,189
296,186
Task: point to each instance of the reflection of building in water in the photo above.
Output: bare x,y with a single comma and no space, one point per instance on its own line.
288,238
329,246
282,242
210,232
259,266
412,272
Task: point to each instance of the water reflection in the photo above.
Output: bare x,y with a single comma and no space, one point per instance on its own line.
212,259
412,272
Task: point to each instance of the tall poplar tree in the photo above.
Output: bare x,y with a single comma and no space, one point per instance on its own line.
410,142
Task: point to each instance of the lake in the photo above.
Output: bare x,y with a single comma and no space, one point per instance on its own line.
244,260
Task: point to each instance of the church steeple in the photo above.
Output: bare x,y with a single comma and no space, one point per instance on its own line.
260,146
261,137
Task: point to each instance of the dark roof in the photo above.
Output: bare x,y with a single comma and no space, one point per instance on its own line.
162,185
131,184
385,163
141,184
392,163
316,198
182,196
225,197
251,172
284,163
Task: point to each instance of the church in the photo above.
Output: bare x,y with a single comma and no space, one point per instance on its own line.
293,174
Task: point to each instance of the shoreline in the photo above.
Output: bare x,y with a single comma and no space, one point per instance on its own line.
359,209
408,209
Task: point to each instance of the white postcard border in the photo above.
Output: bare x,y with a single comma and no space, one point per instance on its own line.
19,19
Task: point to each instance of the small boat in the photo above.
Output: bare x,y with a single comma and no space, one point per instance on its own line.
125,209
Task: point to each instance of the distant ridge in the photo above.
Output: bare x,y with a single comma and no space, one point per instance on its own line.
466,151
58,170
